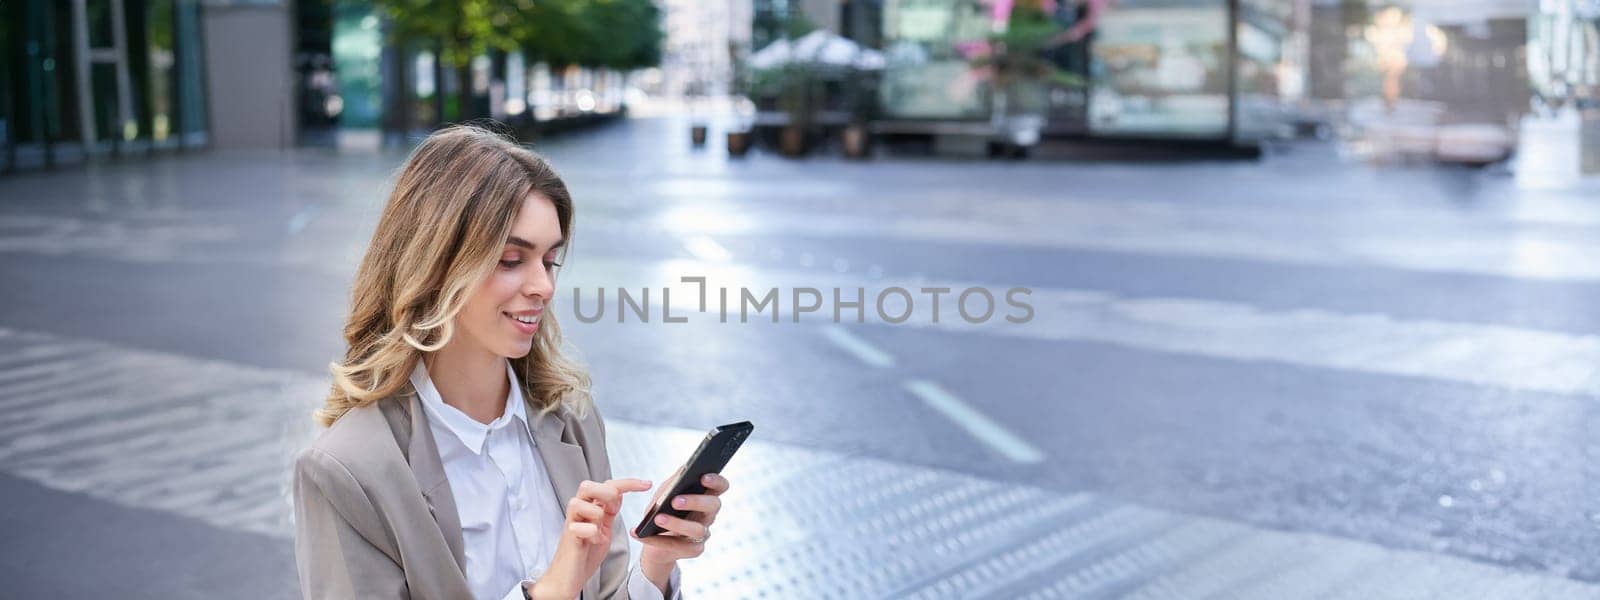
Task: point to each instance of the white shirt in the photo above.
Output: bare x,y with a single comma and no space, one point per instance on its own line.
511,520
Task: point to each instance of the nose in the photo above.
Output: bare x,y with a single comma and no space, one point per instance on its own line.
541,284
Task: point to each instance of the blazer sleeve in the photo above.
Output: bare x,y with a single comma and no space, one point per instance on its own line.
342,548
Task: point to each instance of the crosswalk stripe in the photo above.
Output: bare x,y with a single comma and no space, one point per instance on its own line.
207,482
19,356
99,399
18,382
45,402
77,366
42,442
151,455
179,437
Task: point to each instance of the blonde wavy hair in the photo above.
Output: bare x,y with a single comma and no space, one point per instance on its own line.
441,233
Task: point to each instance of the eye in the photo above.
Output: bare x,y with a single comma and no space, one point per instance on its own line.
550,264
510,264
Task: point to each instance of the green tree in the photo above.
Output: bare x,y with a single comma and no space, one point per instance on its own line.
612,34
460,29
616,34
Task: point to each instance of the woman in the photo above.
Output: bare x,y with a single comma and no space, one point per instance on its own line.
463,457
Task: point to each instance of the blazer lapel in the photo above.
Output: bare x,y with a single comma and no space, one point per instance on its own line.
423,455
563,459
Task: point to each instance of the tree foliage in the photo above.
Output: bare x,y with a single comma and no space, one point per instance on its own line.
615,34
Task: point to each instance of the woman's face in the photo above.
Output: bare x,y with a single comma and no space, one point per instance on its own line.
504,312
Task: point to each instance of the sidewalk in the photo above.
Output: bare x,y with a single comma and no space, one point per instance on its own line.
799,523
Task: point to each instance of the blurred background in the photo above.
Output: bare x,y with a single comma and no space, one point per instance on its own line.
1313,283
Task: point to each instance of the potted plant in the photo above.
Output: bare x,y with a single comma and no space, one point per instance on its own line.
788,87
697,113
743,109
794,99
860,93
738,142
782,84
856,140
739,136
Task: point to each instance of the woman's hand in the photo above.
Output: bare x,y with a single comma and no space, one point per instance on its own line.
585,539
684,537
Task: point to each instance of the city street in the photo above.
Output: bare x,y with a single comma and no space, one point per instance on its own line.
1289,378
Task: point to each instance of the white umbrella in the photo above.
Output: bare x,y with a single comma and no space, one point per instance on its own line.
820,46
775,54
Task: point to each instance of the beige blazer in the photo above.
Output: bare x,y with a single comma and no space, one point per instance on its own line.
374,517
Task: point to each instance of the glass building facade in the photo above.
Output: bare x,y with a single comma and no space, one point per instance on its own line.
1164,69
98,77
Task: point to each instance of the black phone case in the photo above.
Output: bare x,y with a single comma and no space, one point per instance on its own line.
711,457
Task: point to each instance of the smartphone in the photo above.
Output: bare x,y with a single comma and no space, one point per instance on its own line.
712,455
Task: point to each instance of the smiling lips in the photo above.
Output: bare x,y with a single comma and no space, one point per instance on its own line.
527,322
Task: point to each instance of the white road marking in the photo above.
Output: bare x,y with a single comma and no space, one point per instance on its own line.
857,347
301,219
707,249
976,423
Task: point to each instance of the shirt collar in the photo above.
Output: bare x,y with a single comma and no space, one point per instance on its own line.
465,428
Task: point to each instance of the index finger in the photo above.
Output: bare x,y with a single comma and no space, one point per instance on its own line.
629,484
714,483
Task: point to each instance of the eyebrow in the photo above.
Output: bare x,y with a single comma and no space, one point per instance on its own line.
516,241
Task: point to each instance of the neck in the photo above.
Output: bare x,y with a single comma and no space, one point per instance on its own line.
470,379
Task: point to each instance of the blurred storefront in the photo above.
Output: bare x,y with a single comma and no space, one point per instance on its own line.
91,78
1389,76
1224,70
1423,79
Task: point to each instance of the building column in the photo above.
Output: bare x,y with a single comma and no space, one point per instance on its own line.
249,74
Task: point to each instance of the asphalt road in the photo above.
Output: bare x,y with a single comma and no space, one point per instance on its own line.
1407,358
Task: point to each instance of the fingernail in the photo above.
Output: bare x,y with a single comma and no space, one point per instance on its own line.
706,480
661,519
678,502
